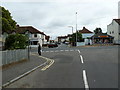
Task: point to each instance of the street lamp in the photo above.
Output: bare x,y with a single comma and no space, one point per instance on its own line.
76,28
27,32
72,33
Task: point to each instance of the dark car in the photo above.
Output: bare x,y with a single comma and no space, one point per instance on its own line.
52,45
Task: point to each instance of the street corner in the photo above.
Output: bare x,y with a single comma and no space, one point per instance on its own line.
48,62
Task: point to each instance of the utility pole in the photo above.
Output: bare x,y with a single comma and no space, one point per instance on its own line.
76,28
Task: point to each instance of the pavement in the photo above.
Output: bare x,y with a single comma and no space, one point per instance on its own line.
73,67
18,69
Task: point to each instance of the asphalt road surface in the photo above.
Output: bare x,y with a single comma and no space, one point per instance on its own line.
81,67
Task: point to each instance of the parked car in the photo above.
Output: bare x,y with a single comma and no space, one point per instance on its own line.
52,45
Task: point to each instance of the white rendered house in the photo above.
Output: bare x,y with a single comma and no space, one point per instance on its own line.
85,35
113,29
35,36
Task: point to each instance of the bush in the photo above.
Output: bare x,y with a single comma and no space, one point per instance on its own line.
16,41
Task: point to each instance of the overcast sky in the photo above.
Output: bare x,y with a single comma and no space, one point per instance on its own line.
54,16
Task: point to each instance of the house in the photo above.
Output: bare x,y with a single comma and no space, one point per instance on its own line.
3,36
113,29
62,39
56,39
47,38
85,35
35,36
102,38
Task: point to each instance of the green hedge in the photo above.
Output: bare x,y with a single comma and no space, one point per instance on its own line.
16,41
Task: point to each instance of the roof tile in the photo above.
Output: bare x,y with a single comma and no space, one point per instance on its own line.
85,30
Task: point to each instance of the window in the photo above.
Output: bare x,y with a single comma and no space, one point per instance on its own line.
35,35
34,42
112,32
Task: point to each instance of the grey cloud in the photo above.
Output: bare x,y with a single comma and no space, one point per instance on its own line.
54,18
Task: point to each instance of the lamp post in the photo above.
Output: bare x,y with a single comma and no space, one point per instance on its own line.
72,33
27,32
76,28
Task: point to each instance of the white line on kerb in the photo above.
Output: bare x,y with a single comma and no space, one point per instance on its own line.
79,51
15,79
85,80
81,58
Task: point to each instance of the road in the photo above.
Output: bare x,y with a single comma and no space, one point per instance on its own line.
78,67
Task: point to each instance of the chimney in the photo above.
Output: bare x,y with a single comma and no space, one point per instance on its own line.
84,28
17,26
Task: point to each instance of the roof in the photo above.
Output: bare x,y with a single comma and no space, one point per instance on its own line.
102,35
62,37
23,29
8,32
117,20
85,30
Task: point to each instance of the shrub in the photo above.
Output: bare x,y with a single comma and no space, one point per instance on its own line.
16,41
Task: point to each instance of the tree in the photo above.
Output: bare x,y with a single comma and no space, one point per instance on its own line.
7,22
98,30
73,38
16,41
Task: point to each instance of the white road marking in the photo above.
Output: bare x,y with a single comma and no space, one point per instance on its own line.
56,51
51,51
47,51
60,50
79,51
85,80
81,58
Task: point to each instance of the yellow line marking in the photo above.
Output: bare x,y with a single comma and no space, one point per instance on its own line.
48,60
47,66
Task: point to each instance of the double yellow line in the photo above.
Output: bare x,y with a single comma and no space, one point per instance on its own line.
47,66
50,61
